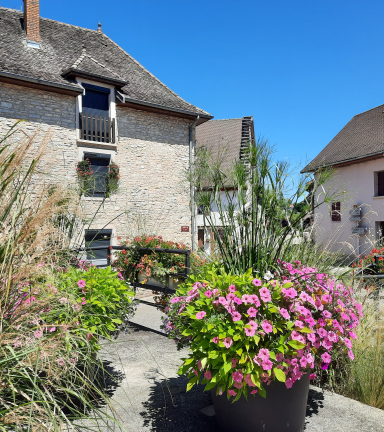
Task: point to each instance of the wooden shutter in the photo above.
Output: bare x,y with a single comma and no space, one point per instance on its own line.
336,215
380,183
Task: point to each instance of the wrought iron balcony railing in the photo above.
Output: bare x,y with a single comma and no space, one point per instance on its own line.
97,128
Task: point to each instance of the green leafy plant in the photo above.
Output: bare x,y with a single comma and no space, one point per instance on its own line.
250,199
99,300
244,332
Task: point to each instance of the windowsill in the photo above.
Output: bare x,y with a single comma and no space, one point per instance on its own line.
378,197
96,144
85,198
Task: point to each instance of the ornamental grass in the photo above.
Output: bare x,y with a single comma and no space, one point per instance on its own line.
47,364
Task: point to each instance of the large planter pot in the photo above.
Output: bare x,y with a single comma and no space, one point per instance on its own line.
282,411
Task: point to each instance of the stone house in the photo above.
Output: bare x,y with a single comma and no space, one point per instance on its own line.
354,222
225,141
103,105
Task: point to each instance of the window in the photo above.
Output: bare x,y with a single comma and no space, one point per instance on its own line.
96,239
336,215
380,183
96,123
200,238
98,185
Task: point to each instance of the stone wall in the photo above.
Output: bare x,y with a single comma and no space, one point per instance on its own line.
152,151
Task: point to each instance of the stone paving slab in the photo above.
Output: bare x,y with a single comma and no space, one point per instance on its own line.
149,395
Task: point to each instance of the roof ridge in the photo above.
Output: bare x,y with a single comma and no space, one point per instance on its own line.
235,118
149,73
52,20
371,109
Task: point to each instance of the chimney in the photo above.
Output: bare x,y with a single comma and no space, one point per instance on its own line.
32,20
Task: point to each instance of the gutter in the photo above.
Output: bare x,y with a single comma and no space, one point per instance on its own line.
16,77
124,99
335,164
192,191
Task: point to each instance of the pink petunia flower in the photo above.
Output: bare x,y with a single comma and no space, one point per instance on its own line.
236,316
264,354
208,294
256,282
228,342
267,326
348,343
265,294
216,340
267,364
350,354
284,313
237,376
232,393
81,283
207,375
290,293
249,381
120,276
234,362
289,383
175,300
322,332
312,376
255,300
252,312
253,391
326,357
201,315
232,288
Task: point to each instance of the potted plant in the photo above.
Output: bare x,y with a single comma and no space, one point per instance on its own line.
158,269
255,341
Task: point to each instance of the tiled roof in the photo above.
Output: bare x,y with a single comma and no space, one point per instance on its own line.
224,138
62,46
362,137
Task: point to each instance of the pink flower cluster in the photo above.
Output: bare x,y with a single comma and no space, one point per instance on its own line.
313,309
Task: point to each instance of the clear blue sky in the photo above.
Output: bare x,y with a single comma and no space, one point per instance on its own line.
302,68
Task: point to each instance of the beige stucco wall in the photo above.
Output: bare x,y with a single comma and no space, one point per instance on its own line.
152,151
355,185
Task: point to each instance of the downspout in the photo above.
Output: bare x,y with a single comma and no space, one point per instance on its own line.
192,192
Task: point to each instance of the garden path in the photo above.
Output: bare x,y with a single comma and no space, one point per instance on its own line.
149,395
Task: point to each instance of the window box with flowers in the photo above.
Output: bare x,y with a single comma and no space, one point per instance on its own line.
100,180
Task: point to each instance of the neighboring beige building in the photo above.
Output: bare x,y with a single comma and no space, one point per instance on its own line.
225,140
354,222
100,104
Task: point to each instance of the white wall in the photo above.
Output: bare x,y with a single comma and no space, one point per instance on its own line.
355,185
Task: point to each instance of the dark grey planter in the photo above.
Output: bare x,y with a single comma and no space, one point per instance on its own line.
282,411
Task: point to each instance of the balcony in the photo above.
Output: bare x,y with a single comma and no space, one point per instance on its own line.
97,128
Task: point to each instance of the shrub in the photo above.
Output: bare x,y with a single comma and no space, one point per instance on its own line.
368,263
134,262
244,332
97,299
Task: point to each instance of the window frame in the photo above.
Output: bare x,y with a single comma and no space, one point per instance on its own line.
83,150
111,102
336,211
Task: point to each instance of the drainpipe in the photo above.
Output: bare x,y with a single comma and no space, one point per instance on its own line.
191,127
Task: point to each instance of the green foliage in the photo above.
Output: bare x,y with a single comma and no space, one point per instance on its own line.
251,201
134,262
98,299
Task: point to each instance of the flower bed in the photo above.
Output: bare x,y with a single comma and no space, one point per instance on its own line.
245,332
134,262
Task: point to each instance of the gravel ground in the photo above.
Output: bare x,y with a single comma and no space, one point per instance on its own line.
149,395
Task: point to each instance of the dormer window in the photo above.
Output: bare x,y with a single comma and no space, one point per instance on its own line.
96,122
